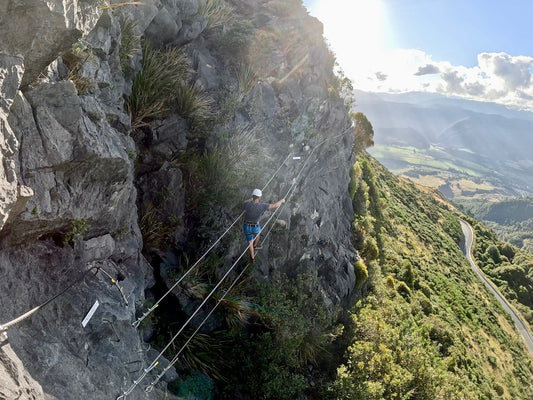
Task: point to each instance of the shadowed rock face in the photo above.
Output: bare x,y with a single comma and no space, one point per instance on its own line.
71,194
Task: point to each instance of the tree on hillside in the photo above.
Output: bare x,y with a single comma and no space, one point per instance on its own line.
363,131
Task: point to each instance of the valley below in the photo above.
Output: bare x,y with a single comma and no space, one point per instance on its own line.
466,150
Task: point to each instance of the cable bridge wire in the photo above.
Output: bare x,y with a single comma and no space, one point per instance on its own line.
136,323
150,387
155,362
151,309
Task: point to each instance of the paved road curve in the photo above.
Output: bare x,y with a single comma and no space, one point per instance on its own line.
467,250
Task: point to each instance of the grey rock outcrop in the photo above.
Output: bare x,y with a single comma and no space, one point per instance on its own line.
74,183
40,30
15,383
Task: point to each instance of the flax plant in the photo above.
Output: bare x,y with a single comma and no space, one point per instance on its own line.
157,84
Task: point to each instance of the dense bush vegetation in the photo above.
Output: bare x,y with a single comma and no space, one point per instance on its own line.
427,329
510,268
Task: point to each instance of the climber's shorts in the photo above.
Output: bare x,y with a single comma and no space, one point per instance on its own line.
251,231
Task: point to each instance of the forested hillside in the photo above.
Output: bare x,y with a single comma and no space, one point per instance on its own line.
427,328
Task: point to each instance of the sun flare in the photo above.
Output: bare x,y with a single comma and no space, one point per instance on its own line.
352,27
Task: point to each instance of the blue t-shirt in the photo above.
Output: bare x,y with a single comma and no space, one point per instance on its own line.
253,211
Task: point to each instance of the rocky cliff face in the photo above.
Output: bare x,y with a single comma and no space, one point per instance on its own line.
76,179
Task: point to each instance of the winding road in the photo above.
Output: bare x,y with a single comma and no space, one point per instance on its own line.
466,246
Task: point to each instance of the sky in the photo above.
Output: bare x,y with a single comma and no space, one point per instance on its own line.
476,49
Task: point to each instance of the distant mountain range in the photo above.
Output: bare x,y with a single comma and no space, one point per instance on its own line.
464,148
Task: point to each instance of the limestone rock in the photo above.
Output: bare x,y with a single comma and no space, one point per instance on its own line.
72,149
15,383
40,30
191,29
163,28
11,70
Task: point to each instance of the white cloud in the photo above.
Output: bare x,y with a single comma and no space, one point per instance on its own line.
513,71
357,36
498,77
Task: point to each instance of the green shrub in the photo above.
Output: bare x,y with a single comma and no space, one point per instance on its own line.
493,252
78,228
234,43
74,60
157,85
194,104
370,249
499,389
403,290
442,336
361,274
425,304
508,250
156,228
408,274
296,332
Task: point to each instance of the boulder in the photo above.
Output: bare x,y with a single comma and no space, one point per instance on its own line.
163,29
40,30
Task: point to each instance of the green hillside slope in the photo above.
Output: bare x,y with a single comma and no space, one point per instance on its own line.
427,329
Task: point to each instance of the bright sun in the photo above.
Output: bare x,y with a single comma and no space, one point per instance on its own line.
352,27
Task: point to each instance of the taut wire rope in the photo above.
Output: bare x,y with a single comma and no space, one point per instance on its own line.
287,196
151,309
155,362
150,387
4,327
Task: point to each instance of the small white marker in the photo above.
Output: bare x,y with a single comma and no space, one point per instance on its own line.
90,314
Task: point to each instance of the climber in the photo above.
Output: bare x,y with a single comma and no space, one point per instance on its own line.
253,210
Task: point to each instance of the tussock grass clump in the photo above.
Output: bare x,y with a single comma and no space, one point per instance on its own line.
235,41
217,12
217,174
74,60
130,44
203,353
194,104
162,86
157,84
246,77
156,228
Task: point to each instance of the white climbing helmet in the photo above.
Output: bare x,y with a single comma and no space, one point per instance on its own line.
257,192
